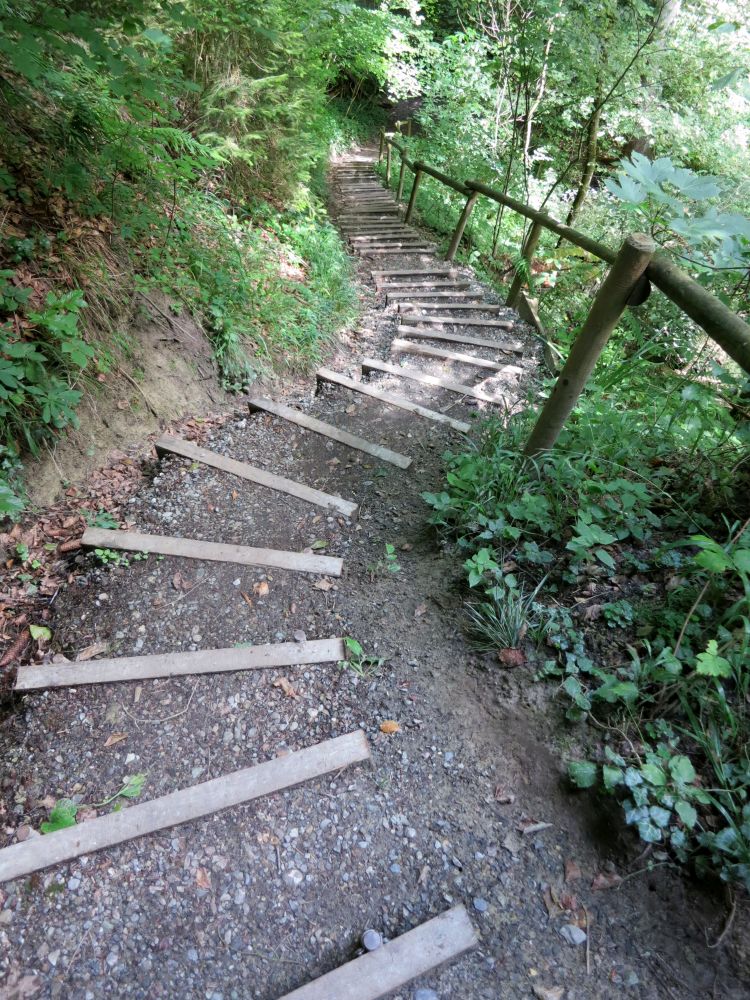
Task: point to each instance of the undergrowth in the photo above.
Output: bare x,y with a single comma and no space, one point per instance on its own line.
621,562
172,146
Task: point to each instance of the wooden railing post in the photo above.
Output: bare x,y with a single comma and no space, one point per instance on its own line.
609,304
461,225
527,252
387,163
382,143
400,191
413,195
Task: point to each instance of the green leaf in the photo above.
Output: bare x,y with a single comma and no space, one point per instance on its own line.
583,773
682,769
133,786
710,664
319,543
63,814
654,775
40,632
687,813
612,776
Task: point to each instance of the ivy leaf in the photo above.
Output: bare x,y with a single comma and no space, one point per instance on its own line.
654,775
583,773
612,776
682,769
687,813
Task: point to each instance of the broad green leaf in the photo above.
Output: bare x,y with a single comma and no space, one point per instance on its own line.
583,773
654,775
682,769
40,632
612,776
687,813
710,664
133,786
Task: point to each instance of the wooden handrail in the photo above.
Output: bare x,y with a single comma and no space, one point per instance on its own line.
728,329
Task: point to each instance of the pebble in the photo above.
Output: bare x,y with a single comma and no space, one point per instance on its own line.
481,905
73,883
396,869
293,877
192,955
572,934
371,940
425,994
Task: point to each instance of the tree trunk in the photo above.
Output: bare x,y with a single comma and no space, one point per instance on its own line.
589,165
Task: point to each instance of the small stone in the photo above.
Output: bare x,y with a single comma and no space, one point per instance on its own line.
293,877
572,934
371,940
73,883
112,959
299,635
481,905
192,955
53,957
237,582
425,994
396,869
6,916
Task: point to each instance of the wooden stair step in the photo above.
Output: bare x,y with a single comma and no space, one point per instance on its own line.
398,296
435,381
328,430
424,286
401,272
408,307
193,548
459,338
426,351
327,375
204,661
184,805
391,966
178,446
501,324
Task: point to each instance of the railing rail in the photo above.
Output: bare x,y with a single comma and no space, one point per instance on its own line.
723,325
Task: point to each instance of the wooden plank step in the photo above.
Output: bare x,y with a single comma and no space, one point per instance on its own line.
387,238
397,296
415,332
372,364
397,252
328,430
192,548
401,272
183,805
425,286
426,351
204,661
501,324
187,449
327,375
393,965
408,307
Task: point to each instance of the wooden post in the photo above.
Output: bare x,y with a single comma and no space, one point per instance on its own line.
527,252
387,163
461,225
413,195
402,171
608,306
408,128
382,143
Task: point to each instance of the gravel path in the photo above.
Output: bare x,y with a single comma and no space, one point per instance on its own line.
464,803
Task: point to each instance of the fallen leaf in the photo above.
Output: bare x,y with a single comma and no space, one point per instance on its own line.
406,547
40,632
605,880
323,585
569,901
420,610
115,738
351,409
503,796
572,870
286,686
246,598
592,612
319,543
260,589
550,903
235,494
389,726
511,657
202,879
422,880
86,814
93,650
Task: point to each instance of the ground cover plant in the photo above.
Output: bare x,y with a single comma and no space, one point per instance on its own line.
620,563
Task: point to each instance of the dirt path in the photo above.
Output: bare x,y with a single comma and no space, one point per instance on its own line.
261,898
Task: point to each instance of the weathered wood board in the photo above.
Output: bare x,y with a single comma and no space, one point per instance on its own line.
183,805
426,351
393,965
192,548
328,430
433,320
187,449
204,661
327,375
508,347
372,364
